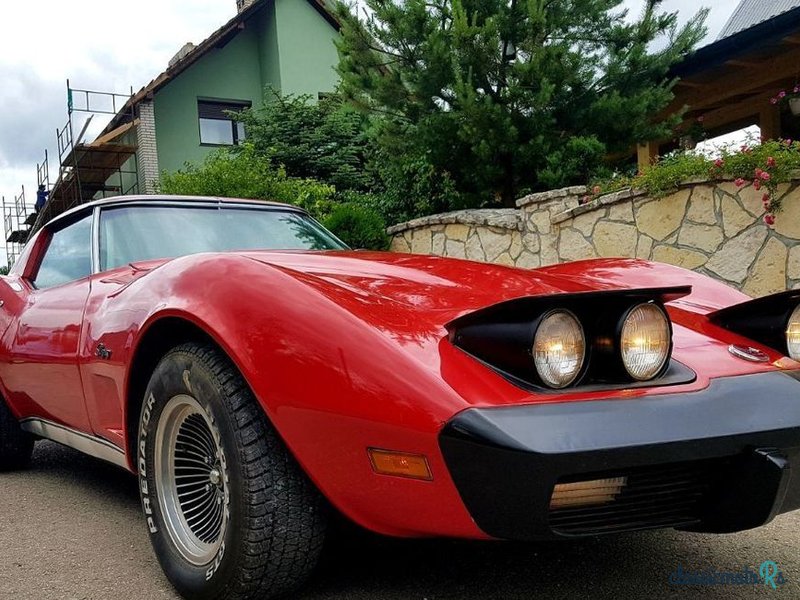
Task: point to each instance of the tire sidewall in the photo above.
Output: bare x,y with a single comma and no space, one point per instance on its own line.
181,373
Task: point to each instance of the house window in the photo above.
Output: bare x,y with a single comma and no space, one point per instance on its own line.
217,128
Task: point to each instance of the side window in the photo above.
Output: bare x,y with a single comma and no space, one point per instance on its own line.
68,256
217,127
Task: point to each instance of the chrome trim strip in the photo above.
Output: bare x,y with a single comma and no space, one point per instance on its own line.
96,240
82,442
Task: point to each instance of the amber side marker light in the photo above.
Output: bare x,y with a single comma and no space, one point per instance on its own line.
400,464
587,493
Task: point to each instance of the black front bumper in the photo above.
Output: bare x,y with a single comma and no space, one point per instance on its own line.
717,460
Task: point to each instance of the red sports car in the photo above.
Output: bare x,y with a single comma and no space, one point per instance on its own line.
255,374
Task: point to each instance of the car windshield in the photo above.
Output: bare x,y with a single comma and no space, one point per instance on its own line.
136,233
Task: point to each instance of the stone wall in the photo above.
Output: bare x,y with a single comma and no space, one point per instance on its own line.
711,227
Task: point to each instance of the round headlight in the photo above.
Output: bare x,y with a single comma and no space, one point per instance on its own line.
793,334
645,341
559,348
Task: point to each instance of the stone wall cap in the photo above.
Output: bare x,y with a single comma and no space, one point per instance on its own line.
503,218
575,190
599,202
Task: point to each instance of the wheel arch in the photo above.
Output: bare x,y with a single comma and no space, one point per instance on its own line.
160,335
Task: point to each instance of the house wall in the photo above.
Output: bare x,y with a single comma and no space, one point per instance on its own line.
715,228
232,72
287,45
268,50
307,52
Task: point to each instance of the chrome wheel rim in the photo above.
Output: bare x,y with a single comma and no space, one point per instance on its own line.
191,479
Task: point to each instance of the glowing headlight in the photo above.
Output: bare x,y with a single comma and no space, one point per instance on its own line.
793,334
559,348
645,341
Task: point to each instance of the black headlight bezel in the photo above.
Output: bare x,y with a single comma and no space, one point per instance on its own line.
500,336
762,320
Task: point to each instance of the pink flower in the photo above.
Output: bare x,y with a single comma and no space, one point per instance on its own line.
765,176
739,182
758,172
796,89
596,190
700,119
765,201
769,219
782,94
718,163
773,100
770,161
585,200
756,184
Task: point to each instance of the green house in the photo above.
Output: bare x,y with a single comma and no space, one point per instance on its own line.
183,114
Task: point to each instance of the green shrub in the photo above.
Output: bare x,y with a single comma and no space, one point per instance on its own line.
242,174
358,226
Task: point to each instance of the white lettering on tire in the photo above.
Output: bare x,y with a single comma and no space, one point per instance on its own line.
146,504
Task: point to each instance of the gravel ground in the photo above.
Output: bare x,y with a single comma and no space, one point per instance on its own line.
70,529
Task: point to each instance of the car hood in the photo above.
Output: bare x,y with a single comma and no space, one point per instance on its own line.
424,283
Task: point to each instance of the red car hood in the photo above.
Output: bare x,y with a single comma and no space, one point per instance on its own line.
420,282
436,283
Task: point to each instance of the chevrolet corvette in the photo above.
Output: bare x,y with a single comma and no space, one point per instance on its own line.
257,376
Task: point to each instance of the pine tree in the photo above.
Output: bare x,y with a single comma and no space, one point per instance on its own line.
506,96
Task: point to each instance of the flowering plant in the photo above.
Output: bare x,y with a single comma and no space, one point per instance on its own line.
786,95
764,165
696,132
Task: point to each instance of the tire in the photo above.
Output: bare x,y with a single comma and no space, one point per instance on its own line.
250,525
16,446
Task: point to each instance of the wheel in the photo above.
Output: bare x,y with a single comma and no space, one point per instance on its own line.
16,446
230,513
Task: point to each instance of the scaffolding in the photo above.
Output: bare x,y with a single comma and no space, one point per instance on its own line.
90,170
17,222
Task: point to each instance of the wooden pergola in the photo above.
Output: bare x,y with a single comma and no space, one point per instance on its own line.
729,83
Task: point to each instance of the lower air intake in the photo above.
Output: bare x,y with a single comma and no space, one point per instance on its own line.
670,495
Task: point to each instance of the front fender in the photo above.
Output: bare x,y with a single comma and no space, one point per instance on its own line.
332,383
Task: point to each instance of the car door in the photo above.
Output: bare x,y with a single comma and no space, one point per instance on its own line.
42,374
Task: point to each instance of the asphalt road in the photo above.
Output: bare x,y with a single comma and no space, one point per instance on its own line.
70,529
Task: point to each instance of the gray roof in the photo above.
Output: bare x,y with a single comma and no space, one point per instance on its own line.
753,12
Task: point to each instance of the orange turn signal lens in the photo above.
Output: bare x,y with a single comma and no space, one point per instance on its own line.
400,464
587,493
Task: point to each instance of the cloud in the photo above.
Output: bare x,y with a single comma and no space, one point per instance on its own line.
721,10
99,45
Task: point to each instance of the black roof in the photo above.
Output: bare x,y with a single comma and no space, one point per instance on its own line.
167,200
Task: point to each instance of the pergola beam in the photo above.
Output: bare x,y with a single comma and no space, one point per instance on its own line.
739,82
646,154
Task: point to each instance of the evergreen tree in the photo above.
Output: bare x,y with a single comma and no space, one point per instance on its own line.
506,96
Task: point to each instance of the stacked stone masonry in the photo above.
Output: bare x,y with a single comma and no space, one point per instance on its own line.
711,227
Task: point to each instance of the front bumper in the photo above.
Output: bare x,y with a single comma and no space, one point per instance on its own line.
717,460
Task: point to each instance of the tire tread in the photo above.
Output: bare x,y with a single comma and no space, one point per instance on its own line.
285,513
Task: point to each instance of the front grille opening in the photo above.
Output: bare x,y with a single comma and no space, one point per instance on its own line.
670,495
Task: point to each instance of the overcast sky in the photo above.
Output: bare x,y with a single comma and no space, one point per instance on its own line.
111,46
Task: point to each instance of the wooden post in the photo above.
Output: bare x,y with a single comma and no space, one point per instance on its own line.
647,154
769,121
